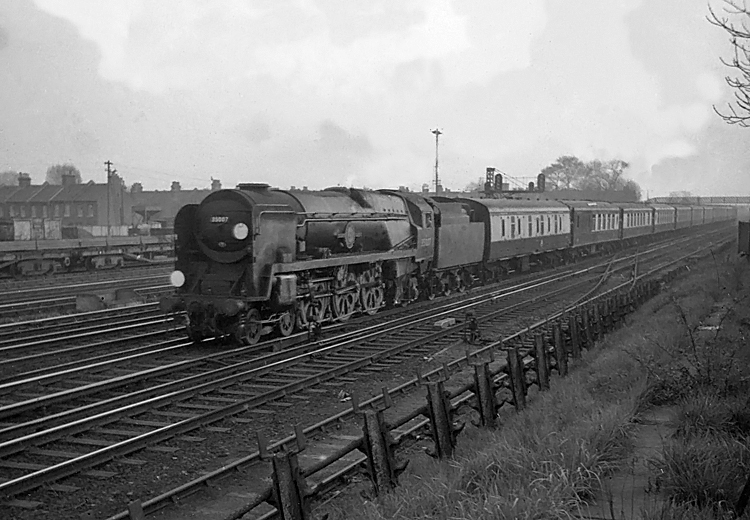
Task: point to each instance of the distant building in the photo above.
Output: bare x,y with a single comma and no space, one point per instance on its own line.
88,204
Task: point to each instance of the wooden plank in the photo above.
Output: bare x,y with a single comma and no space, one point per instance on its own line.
55,453
196,406
131,462
86,441
163,449
141,422
191,438
122,433
25,504
172,414
63,488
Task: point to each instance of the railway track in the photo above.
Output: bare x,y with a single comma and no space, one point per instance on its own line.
35,301
78,277
57,424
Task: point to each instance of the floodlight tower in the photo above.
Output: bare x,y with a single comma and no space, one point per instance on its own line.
437,133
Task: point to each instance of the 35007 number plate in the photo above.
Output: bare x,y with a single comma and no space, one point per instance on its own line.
217,219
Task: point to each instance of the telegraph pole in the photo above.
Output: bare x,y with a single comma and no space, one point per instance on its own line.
108,164
437,133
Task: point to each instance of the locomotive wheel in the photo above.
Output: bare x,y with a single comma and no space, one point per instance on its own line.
372,299
306,311
344,305
286,324
303,310
252,328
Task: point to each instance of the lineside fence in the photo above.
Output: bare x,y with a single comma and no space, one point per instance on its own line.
530,356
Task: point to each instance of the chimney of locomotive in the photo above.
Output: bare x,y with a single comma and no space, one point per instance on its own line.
24,180
215,184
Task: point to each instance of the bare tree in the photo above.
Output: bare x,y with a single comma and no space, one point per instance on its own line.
569,172
8,178
565,173
604,175
735,20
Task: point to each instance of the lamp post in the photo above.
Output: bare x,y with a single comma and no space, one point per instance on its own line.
437,133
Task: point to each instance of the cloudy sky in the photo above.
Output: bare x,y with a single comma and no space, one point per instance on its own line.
338,92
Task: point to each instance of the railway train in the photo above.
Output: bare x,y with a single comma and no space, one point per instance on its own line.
253,260
32,247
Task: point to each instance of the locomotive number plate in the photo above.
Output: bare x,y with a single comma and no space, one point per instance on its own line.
218,219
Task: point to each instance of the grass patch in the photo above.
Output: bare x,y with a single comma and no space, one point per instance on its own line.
706,376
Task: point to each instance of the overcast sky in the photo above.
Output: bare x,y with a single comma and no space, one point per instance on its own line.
342,92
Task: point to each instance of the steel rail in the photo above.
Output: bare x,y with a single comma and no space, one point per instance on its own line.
80,335
87,286
53,334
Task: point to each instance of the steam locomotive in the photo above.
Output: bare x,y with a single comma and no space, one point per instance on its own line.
253,260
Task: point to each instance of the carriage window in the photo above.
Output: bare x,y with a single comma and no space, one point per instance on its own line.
512,227
502,226
531,229
537,225
541,226
555,219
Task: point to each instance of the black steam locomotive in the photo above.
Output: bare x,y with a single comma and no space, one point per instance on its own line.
254,259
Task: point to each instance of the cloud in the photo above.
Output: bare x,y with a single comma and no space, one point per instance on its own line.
338,91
